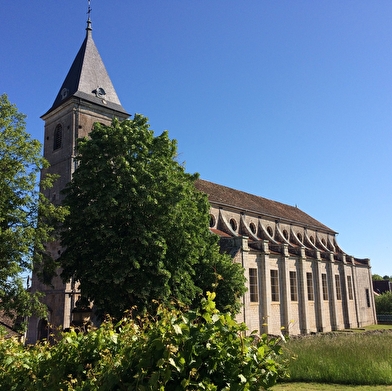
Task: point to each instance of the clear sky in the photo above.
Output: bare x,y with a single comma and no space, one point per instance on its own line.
288,100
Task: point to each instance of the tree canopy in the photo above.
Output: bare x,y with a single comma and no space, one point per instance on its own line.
137,229
384,303
22,233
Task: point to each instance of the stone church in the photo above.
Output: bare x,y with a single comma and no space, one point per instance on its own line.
298,278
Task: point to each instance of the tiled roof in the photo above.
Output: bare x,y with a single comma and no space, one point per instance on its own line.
7,323
226,197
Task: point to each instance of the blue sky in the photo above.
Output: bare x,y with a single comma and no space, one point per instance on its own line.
288,100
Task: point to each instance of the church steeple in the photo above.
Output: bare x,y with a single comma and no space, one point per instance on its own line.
87,96
88,79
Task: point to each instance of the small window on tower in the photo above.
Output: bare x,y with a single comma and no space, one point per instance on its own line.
58,137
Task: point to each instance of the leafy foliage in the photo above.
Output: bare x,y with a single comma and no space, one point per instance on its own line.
202,349
138,229
384,303
22,235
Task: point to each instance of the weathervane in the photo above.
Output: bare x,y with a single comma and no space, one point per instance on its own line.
89,8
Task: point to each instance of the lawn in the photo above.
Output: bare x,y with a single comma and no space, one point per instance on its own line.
327,387
358,359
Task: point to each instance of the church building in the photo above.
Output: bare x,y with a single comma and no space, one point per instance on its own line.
298,278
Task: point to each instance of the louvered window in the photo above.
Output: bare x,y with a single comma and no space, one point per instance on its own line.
58,137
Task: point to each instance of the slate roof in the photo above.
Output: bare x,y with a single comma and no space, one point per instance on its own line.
227,197
87,73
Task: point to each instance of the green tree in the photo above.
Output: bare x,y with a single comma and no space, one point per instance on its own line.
138,229
22,234
384,303
376,277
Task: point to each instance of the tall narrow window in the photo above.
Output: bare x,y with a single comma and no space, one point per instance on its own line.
58,137
367,297
274,285
325,286
309,283
293,286
338,288
253,289
350,288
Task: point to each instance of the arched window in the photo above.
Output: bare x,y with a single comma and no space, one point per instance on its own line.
43,332
58,137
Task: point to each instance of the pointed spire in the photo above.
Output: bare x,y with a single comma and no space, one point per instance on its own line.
87,78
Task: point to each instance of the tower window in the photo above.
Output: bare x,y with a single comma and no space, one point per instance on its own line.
58,137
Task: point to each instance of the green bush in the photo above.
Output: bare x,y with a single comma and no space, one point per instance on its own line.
384,303
190,350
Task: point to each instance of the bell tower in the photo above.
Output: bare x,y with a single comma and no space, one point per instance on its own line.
86,96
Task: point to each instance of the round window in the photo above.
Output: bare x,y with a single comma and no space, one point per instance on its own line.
252,228
233,224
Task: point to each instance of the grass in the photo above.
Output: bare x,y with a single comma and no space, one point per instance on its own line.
358,359
327,387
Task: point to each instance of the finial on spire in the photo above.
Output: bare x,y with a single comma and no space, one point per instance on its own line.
89,13
89,8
